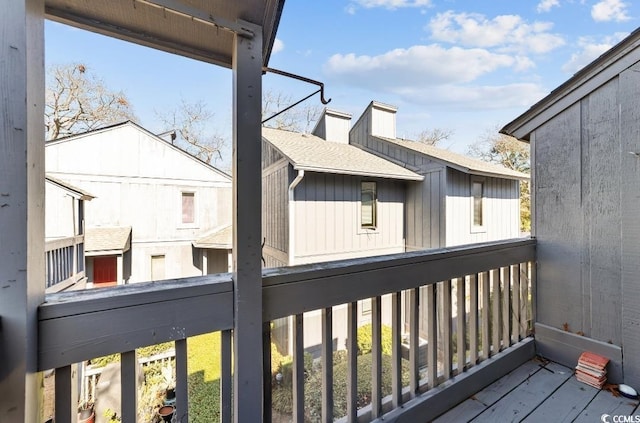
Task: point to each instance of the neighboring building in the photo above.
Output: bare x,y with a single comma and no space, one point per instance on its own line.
345,193
64,235
461,200
585,143
154,202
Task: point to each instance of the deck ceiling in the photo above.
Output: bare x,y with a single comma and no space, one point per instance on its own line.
199,29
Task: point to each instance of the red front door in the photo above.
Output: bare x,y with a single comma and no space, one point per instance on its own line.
105,271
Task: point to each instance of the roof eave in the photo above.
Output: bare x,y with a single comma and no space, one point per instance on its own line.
357,173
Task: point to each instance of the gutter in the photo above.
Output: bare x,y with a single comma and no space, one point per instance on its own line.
292,219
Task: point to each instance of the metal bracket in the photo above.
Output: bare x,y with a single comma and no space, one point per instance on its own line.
299,78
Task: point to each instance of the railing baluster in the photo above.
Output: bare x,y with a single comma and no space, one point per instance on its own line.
129,385
432,336
515,303
447,351
486,312
182,377
66,394
473,319
506,306
327,364
266,373
396,354
495,310
226,377
461,323
524,299
352,363
414,340
376,357
298,368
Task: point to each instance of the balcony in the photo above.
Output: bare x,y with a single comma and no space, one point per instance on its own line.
64,259
470,307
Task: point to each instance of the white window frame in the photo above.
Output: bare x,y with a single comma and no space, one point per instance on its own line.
483,204
181,223
362,228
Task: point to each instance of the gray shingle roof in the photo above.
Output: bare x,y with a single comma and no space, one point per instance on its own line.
311,153
457,161
107,239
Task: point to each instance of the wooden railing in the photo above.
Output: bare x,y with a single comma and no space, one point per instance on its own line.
464,305
64,259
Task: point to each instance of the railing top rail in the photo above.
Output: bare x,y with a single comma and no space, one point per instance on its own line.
54,244
298,289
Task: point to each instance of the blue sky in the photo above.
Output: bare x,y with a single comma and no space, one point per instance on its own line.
464,66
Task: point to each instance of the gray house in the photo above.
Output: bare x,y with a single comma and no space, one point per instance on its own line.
460,201
585,143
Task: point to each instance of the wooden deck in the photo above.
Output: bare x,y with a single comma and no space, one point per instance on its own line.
541,392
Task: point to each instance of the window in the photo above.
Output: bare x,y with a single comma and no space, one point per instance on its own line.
157,267
368,206
188,207
477,203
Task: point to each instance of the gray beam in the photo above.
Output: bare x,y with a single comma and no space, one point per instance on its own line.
22,262
247,228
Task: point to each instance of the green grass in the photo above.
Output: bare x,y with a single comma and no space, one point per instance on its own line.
204,377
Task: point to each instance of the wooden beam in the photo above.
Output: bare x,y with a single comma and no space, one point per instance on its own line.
247,226
22,264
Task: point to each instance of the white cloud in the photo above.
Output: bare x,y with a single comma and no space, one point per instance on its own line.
609,10
547,5
389,4
509,33
590,50
278,46
419,66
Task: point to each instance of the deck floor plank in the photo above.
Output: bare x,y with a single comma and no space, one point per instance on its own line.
606,403
565,404
472,407
527,396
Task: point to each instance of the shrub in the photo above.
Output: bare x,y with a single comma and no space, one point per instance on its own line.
364,340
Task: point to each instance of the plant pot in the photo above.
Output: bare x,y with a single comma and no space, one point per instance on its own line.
86,416
166,412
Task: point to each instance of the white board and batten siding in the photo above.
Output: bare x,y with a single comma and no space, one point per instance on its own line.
139,180
500,204
328,218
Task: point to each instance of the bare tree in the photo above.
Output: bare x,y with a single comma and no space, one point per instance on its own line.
513,154
77,101
434,136
299,118
189,122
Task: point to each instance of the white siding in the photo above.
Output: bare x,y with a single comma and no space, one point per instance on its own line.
138,181
501,209
60,214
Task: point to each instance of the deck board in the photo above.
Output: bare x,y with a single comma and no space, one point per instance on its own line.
526,397
606,403
534,394
565,404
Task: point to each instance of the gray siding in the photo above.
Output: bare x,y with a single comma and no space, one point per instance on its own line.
501,209
328,218
275,206
425,212
587,202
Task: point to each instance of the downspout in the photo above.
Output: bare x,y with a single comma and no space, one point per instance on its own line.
292,217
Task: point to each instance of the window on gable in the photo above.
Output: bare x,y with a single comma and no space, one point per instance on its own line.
477,212
369,205
188,207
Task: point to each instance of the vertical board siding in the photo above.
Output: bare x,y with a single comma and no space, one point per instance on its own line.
501,209
328,223
630,194
275,206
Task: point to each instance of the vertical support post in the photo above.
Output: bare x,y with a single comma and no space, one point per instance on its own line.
327,364
352,362
65,400
182,379
298,369
396,354
225,376
376,357
21,206
247,226
414,340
